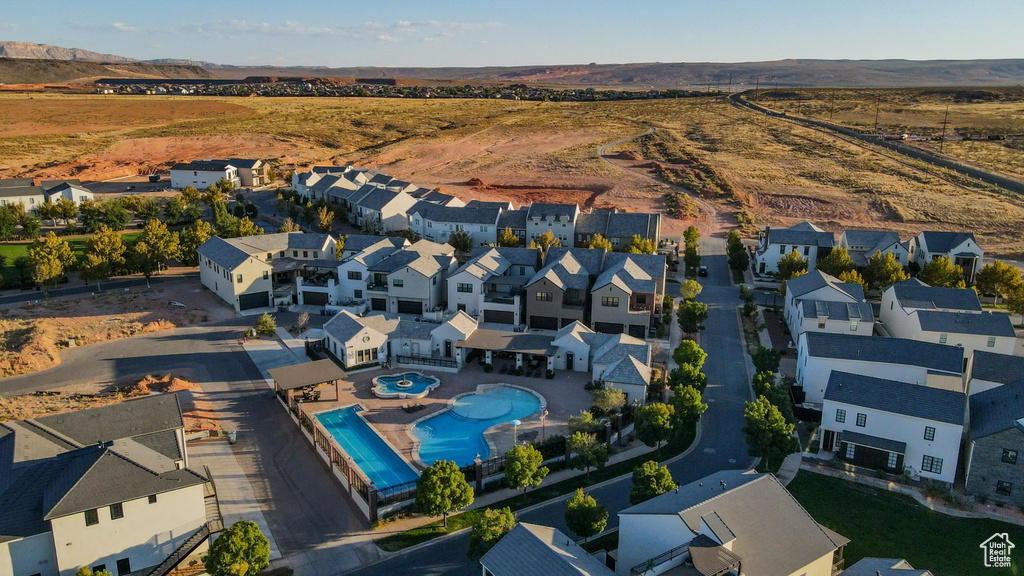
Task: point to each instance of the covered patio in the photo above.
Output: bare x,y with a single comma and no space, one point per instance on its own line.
302,382
521,345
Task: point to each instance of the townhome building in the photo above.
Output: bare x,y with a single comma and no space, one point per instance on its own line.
805,238
303,182
260,271
616,226
995,448
252,172
353,269
559,219
383,209
989,370
730,522
819,302
203,173
627,295
381,337
70,190
438,222
514,220
912,309
894,426
107,488
14,191
559,294
332,187
411,280
861,245
491,285
960,247
912,361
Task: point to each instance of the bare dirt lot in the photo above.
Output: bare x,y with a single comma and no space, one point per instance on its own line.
32,335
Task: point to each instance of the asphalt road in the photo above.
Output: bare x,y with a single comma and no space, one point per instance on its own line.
722,445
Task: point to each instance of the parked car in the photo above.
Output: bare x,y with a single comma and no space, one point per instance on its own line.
702,271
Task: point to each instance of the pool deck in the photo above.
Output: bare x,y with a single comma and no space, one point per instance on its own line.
564,396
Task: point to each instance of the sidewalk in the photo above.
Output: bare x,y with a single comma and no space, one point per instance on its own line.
267,353
234,493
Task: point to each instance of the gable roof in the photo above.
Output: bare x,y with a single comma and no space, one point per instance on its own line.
533,550
804,234
816,279
565,272
514,219
869,240
993,367
204,165
120,420
984,324
838,310
628,370
458,215
15,182
359,242
914,400
377,199
902,351
883,567
997,409
627,275
593,222
628,224
15,191
913,293
944,242
544,211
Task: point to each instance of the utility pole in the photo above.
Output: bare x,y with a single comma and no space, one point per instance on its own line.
945,121
757,85
878,101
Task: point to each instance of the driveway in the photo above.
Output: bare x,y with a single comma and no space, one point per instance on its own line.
722,445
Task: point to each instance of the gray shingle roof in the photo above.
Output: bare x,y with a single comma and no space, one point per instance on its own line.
15,191
343,326
997,409
15,182
377,199
654,264
514,219
223,253
627,224
532,550
245,162
1001,368
627,275
915,294
488,204
155,413
804,234
943,242
594,222
868,240
592,260
359,242
816,279
883,567
628,370
915,400
901,351
984,324
203,165
455,215
838,310
554,211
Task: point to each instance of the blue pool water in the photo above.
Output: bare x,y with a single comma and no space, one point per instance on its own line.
420,383
368,450
458,433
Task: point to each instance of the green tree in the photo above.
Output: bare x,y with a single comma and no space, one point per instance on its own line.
640,245
690,289
608,399
691,237
854,277
189,195
103,257
584,516
691,260
688,375
154,246
941,272
598,242
240,550
289,226
116,215
147,209
442,489
688,352
650,480
225,224
1014,300
68,211
92,215
191,239
884,270
766,359
762,382
462,241
692,315
508,238
86,571
491,527
325,219
654,423
739,259
769,435
174,209
790,264
584,422
265,325
589,452
998,278
30,226
545,242
687,406
49,257
247,228
8,222
523,468
23,265
836,262
48,211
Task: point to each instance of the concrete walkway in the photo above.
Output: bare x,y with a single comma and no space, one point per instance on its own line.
234,493
790,466
267,353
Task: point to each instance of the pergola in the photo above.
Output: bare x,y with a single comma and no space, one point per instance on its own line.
305,378
518,343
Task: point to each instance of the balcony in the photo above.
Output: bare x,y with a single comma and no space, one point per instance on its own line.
500,298
675,555
370,287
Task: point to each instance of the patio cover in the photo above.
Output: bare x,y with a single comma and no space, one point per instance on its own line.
503,341
306,374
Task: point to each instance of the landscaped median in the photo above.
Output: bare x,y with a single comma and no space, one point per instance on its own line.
544,493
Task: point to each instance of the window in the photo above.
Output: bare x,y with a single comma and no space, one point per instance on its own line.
433,281
943,338
466,288
862,419
615,242
782,249
991,342
544,297
641,299
239,276
397,282
893,459
152,498
295,253
270,255
99,568
116,511
821,323
266,275
850,451
1004,488
853,325
929,433
92,517
807,250
124,566
931,464
316,254
430,224
282,253
1009,456
522,270
840,415
610,301
355,275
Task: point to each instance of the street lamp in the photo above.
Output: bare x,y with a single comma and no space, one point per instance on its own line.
543,427
515,426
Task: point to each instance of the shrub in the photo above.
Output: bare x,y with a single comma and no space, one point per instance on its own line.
550,374
265,325
488,368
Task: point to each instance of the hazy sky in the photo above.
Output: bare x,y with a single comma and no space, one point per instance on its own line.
484,32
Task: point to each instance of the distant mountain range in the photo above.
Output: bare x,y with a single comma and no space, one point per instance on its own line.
782,73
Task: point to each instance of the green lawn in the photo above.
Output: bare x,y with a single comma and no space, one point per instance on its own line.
889,525
12,250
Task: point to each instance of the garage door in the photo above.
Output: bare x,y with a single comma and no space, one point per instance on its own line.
638,330
410,307
379,304
608,328
500,316
254,300
544,322
314,298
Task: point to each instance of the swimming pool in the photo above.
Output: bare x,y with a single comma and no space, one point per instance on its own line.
368,450
458,433
404,385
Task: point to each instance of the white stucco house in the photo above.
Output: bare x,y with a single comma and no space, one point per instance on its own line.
411,280
893,426
960,247
807,239
819,302
105,488
70,190
381,337
201,174
438,222
490,286
14,191
861,245
912,361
